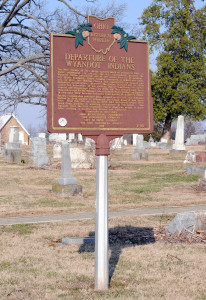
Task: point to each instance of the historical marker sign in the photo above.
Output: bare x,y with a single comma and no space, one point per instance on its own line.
99,81
99,85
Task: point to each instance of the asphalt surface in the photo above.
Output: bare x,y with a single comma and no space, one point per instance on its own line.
90,215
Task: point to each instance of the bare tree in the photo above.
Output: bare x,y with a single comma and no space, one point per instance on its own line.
25,28
190,127
24,48
193,127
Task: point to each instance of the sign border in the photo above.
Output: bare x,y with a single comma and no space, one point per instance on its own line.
101,130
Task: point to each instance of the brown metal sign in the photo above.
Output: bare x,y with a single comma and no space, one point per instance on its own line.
99,82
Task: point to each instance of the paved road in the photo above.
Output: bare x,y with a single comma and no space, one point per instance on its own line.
112,214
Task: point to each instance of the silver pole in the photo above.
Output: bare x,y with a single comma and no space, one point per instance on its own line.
101,224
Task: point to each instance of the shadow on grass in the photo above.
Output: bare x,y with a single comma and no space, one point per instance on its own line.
119,238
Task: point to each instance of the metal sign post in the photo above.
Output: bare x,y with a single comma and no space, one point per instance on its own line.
101,223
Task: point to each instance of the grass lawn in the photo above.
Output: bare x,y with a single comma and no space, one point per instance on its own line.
34,266
160,181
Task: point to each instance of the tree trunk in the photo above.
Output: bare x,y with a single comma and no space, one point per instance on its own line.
167,128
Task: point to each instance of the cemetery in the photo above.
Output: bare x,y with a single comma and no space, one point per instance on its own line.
107,199
138,245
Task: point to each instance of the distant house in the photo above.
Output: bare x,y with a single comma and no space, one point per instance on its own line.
6,121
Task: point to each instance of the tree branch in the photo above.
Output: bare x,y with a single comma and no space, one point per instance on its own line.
3,3
39,78
12,13
20,62
35,19
71,8
27,28
23,35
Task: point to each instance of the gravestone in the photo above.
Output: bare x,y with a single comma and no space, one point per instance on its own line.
66,170
152,142
140,152
164,146
66,184
12,153
57,137
80,138
82,158
179,137
78,240
202,182
134,139
195,139
71,137
116,143
163,140
201,157
195,170
89,143
190,157
147,145
191,221
39,156
42,135
57,151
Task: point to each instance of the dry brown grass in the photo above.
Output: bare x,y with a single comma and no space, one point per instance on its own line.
161,181
32,267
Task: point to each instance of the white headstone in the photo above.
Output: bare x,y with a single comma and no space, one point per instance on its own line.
80,138
71,137
57,150
179,137
57,137
153,144
89,143
195,139
42,135
82,158
163,140
134,138
190,157
116,143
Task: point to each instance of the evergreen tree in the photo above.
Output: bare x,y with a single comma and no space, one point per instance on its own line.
177,30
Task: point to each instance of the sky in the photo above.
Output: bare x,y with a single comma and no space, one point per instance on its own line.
30,115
